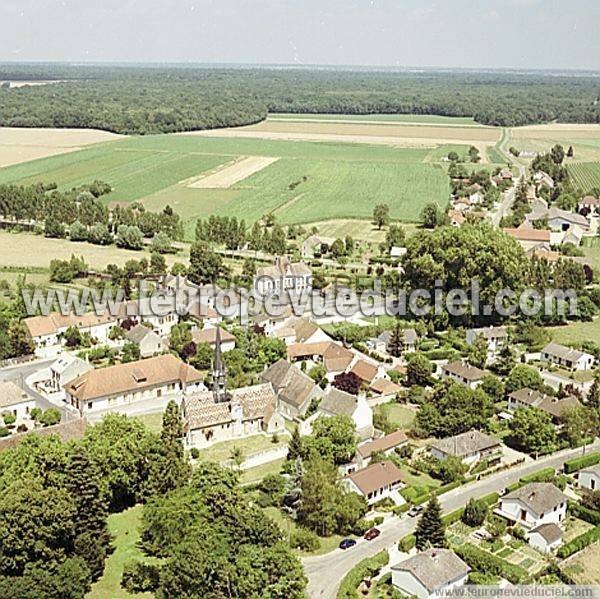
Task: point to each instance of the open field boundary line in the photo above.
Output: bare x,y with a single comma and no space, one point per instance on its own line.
369,122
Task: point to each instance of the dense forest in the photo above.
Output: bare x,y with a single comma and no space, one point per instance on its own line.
157,99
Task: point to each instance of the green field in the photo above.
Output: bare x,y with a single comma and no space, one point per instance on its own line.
585,174
311,181
576,333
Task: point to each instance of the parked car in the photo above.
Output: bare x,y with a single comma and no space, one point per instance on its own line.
347,543
415,510
372,533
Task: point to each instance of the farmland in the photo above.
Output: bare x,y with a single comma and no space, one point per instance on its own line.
308,182
586,174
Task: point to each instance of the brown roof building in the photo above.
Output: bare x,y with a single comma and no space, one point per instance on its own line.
376,481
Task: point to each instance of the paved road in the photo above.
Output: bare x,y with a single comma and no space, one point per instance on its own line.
509,196
19,374
326,571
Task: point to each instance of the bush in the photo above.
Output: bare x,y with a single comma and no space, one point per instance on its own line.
4,432
474,513
195,453
541,476
486,563
405,544
304,540
579,543
140,578
9,418
585,461
367,568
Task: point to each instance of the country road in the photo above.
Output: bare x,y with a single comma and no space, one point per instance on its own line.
326,571
509,196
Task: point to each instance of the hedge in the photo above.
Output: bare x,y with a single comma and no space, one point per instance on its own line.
580,542
485,562
456,515
367,568
405,544
439,491
583,462
540,476
584,513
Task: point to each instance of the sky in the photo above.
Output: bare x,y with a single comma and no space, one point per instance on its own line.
549,34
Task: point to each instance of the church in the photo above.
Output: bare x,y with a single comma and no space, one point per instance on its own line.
220,414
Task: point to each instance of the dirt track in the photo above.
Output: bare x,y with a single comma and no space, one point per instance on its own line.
230,174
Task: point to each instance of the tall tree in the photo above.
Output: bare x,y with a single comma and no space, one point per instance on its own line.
381,215
430,528
206,266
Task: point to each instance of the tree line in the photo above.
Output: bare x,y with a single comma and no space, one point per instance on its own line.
149,100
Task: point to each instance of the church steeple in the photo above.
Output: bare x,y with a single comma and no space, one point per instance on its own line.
219,372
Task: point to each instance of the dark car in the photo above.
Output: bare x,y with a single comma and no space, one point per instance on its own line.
415,510
372,533
347,543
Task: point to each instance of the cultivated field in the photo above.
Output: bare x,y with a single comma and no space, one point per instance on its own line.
585,139
583,566
308,182
228,175
586,174
28,250
23,145
416,119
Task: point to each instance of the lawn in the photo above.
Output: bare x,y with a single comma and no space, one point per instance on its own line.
124,529
220,452
256,474
152,421
576,333
400,416
288,526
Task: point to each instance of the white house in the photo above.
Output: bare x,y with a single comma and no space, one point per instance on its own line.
46,331
546,538
337,403
141,310
470,447
147,385
533,505
463,373
496,337
386,445
589,478
433,572
543,179
283,276
563,220
15,401
376,482
567,357
147,340
64,370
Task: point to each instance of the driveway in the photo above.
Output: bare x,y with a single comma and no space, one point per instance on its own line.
326,571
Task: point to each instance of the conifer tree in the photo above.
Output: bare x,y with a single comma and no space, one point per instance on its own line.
430,528
295,446
396,343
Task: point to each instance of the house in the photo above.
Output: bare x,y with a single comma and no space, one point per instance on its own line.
295,390
386,444
590,204
305,331
457,218
247,411
463,373
534,504
381,343
314,245
546,538
209,335
46,331
573,235
476,197
15,400
567,357
338,403
555,407
366,371
530,238
376,482
147,384
385,387
496,337
334,357
68,430
67,368
506,174
543,179
147,340
397,251
470,447
142,311
563,220
283,276
589,478
433,572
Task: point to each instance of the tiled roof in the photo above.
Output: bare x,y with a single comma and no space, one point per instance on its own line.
131,377
290,383
538,497
549,531
465,443
376,476
337,403
382,444
464,370
364,370
209,335
55,322
11,394
562,352
523,234
552,405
